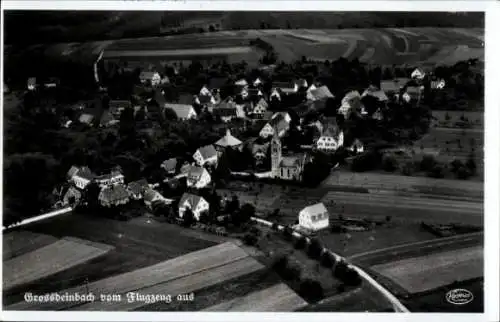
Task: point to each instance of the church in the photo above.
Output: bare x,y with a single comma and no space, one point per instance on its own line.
286,167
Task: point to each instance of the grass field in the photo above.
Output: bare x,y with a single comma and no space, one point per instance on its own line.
476,118
278,298
16,243
425,273
50,259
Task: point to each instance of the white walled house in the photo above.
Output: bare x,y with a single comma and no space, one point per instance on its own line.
113,178
206,155
330,142
314,217
196,203
198,178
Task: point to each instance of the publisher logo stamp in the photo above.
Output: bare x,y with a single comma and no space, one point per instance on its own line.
459,296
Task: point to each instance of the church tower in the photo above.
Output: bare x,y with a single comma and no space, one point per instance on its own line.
275,155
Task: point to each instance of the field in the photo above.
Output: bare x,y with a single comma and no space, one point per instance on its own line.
278,298
476,118
50,259
20,242
425,273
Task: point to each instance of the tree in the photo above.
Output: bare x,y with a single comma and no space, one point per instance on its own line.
300,243
170,115
315,249
127,121
250,239
188,218
244,214
311,290
437,171
455,165
389,163
327,260
463,173
427,163
471,164
211,28
407,168
233,205
288,232
205,217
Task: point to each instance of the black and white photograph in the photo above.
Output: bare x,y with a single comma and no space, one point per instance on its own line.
243,161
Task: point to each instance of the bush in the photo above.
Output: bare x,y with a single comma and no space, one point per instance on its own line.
340,270
341,288
327,260
455,165
288,233
291,272
352,277
250,239
389,163
280,263
300,243
315,249
311,290
437,171
275,226
255,231
463,173
428,163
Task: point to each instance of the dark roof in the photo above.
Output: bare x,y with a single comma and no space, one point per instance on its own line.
217,82
137,187
113,193
279,123
282,85
207,151
86,173
119,104
169,165
321,93
192,200
225,111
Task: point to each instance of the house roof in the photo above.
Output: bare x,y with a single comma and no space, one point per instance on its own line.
376,92
208,151
169,165
86,118
263,103
147,74
241,82
330,130
279,123
113,193
259,148
86,173
351,95
284,85
290,161
195,173
112,174
72,171
150,194
413,90
32,81
228,140
106,118
321,93
190,199
185,167
315,209
181,110
216,82
138,186
357,143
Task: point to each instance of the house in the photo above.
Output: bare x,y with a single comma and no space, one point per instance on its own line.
116,107
314,217
183,111
375,92
205,99
114,195
251,93
418,74
356,147
279,124
196,203
107,119
86,118
109,179
350,102
72,197
206,155
152,196
258,82
137,188
170,166
260,108
228,141
31,83
82,177
228,110
320,93
198,177
438,83
331,139
285,167
241,83
150,76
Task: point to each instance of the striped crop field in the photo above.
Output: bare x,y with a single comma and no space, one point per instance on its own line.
175,268
420,274
50,259
278,298
16,243
183,285
409,209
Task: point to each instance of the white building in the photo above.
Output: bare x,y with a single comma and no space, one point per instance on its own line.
330,141
183,111
356,147
196,203
418,73
205,155
351,100
113,178
198,178
314,217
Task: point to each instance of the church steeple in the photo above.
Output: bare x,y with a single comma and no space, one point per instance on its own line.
275,154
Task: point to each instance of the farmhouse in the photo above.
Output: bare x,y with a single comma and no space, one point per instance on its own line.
196,203
183,111
206,155
350,102
285,167
331,139
277,125
137,188
114,195
314,217
320,93
170,166
152,196
356,147
228,141
198,178
81,177
150,76
375,92
418,74
260,108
